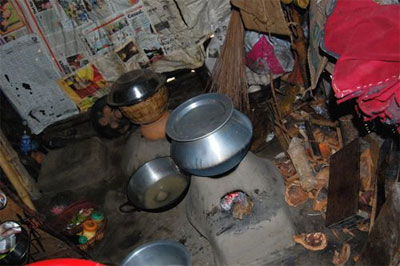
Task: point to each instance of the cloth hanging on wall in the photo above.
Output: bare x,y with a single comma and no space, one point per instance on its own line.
366,37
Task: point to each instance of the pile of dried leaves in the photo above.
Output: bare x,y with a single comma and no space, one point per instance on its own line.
310,138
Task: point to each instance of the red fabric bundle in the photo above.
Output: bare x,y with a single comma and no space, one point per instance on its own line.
366,36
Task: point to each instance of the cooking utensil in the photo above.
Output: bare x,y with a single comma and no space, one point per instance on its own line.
163,252
15,246
134,86
209,137
156,186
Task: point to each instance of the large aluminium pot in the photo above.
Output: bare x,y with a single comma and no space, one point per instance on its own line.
208,136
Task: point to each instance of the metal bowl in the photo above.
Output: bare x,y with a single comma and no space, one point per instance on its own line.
134,86
157,185
160,253
209,137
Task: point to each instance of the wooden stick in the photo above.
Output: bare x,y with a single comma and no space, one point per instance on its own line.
274,96
16,173
339,136
12,175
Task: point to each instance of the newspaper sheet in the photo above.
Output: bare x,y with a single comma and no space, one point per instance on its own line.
110,66
79,12
204,17
10,19
122,5
85,86
64,45
36,97
147,41
13,35
132,57
118,30
97,39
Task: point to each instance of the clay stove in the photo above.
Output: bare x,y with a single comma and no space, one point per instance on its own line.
257,239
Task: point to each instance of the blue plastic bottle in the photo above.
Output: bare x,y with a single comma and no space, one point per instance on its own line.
25,140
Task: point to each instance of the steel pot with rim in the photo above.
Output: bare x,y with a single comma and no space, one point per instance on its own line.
209,137
156,186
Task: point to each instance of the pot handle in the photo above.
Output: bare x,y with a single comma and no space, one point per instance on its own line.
127,208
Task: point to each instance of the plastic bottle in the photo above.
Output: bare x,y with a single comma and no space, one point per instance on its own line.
25,140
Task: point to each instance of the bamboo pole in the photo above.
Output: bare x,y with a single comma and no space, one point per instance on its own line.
16,173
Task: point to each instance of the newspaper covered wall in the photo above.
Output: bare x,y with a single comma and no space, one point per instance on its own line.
36,97
89,43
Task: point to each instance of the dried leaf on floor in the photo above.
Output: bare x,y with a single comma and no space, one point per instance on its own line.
312,241
348,232
325,150
323,177
321,200
340,258
366,168
319,136
295,194
286,168
335,234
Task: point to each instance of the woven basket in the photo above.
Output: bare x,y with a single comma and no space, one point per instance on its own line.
148,110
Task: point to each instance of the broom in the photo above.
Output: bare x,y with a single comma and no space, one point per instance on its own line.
229,74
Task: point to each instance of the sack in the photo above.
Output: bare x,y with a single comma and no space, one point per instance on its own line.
263,16
265,54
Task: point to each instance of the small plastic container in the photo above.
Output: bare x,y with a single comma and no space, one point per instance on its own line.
98,217
89,228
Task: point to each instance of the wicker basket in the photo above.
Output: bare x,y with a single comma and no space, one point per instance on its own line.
148,110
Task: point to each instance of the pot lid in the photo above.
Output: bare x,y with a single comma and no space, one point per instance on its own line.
134,87
199,117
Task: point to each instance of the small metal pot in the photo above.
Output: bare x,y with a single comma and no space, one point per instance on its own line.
156,186
162,252
209,137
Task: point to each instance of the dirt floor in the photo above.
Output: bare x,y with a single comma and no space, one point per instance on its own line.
105,184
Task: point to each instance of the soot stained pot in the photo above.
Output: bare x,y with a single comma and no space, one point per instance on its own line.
134,87
156,186
209,137
140,95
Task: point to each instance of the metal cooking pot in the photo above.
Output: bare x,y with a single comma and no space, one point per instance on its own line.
134,86
157,185
162,252
209,137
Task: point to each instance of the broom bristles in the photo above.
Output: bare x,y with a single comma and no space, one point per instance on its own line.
229,74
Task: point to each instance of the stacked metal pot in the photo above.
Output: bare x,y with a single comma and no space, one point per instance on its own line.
208,138
143,98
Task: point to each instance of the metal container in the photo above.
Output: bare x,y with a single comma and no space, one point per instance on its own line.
209,137
160,253
156,186
134,87
140,95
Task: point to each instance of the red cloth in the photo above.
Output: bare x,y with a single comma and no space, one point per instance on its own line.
366,36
